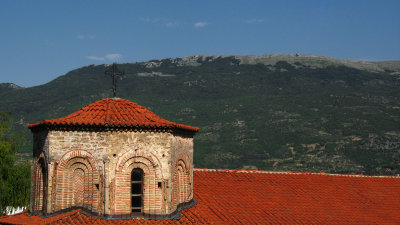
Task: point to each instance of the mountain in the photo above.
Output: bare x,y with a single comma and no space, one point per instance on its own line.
4,87
272,112
312,61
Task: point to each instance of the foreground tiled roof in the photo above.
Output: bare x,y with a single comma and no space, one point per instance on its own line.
261,197
114,113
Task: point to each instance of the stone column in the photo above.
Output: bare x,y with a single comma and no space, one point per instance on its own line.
106,205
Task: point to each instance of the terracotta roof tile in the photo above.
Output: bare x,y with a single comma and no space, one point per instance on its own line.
262,197
116,113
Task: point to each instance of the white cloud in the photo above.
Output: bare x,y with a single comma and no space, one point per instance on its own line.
253,21
172,24
114,56
111,57
200,24
96,58
86,36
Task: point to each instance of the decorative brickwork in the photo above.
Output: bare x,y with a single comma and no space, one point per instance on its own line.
182,191
153,198
183,182
86,160
39,188
77,182
78,186
182,148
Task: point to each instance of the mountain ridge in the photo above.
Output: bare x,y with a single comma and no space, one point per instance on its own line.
314,61
307,59
281,116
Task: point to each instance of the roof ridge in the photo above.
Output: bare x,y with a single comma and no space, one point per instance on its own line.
294,173
114,114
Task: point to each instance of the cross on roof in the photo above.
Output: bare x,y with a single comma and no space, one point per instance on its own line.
114,72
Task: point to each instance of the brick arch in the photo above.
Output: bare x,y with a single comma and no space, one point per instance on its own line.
82,191
40,178
137,153
186,159
152,195
182,191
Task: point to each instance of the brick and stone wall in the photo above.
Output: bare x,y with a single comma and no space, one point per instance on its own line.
182,167
93,170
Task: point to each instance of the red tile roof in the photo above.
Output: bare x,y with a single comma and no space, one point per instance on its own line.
261,197
114,113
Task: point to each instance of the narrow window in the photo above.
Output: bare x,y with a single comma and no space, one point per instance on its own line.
137,190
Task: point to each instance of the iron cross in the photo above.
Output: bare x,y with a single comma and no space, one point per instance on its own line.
114,72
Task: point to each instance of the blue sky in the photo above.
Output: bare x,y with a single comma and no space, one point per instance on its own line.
41,40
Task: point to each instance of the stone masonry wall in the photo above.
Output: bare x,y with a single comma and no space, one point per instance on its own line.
93,170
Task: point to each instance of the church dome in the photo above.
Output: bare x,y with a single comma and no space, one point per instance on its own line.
113,114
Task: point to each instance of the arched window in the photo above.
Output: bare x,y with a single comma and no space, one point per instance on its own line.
137,190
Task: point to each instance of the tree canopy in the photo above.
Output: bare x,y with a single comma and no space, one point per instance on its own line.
14,174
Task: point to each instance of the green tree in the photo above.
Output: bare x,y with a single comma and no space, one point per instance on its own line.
14,175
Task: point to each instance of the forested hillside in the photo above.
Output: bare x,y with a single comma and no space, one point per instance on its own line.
293,114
